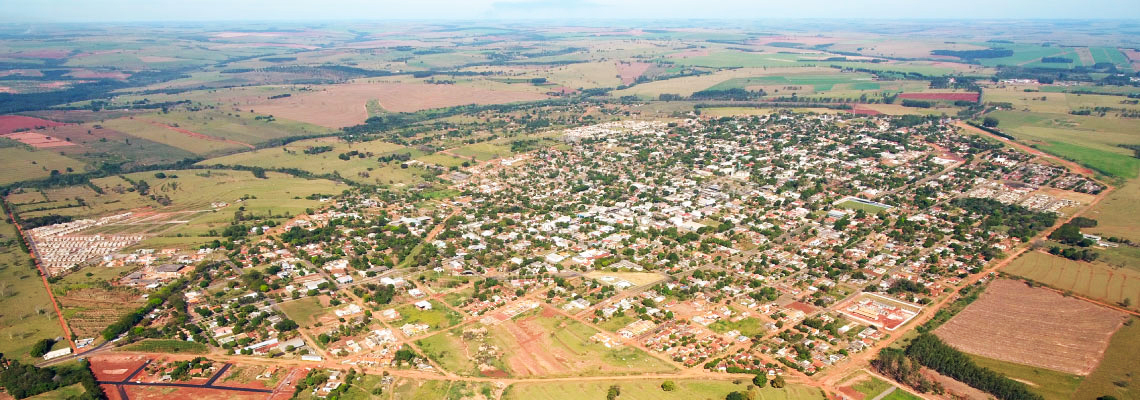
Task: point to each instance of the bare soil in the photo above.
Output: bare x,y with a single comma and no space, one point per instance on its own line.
1033,326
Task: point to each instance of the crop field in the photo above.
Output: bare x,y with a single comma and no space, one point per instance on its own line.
26,313
367,169
819,83
1014,322
18,163
206,132
1089,140
1096,280
337,106
96,142
1117,373
685,86
89,310
651,390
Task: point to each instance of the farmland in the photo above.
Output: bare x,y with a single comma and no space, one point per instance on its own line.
1052,332
344,105
22,163
1096,280
362,168
26,314
1116,374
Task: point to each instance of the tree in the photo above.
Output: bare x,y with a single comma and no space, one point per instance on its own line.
42,347
736,396
668,386
990,122
285,325
778,382
613,392
760,380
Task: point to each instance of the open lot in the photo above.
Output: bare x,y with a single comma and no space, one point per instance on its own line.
363,168
1014,322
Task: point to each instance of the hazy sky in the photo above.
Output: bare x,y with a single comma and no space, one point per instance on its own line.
229,10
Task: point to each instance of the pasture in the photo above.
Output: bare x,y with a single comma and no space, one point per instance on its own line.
438,317
650,389
26,313
1116,375
20,163
1116,214
336,106
1053,385
362,168
1095,280
1089,140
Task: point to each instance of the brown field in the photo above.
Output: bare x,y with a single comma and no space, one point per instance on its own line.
338,106
971,96
534,356
1017,323
90,310
38,140
9,123
630,71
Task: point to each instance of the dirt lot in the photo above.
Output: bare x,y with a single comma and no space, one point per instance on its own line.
1038,327
89,310
337,106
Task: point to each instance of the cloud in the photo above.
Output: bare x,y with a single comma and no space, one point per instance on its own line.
544,9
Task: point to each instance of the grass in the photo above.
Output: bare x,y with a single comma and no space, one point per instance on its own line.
651,390
573,338
818,82
19,163
304,310
1048,383
366,170
63,393
1116,214
1107,163
855,205
26,313
1096,280
1117,371
168,346
438,317
748,326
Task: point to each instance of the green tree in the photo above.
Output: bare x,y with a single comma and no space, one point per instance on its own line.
778,382
760,380
668,386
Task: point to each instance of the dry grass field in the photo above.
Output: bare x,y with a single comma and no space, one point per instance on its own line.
1095,280
337,106
1014,322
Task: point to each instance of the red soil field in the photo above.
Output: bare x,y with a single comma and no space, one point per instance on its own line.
9,123
941,96
1033,326
629,72
37,140
858,110
89,74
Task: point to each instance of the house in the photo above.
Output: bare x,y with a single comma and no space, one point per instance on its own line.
423,305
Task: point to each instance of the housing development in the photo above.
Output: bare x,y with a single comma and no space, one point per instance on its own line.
708,226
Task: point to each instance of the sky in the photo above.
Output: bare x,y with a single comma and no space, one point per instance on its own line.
46,11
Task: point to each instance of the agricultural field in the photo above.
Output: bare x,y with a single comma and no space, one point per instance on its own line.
167,346
363,167
1116,214
1116,374
20,163
1014,322
26,313
651,390
345,105
210,131
1095,280
1090,140
1051,384
89,310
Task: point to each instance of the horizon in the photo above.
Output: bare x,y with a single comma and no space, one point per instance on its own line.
126,11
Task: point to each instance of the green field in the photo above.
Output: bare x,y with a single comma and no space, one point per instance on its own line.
651,390
873,387
1090,140
168,346
748,326
1107,163
438,317
1095,280
21,163
818,82
1116,215
1048,383
450,349
26,313
1118,371
856,205
367,170
305,310
63,393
